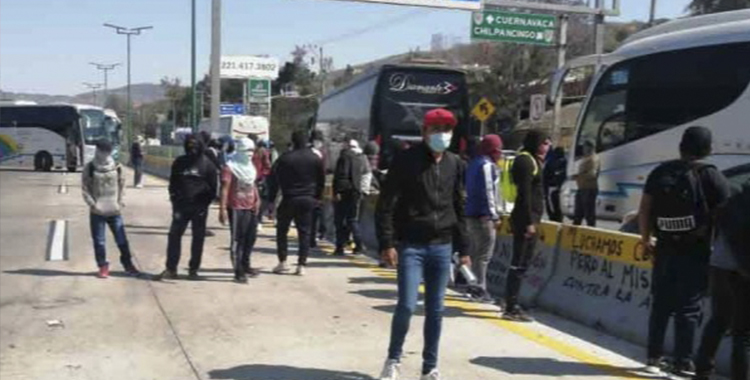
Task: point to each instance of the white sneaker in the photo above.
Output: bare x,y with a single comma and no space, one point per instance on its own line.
139,186
281,268
300,270
433,375
390,370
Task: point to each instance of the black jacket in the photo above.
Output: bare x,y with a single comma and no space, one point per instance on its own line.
136,151
421,201
298,173
734,221
192,182
350,168
529,206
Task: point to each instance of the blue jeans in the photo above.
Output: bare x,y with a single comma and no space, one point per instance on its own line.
434,263
100,243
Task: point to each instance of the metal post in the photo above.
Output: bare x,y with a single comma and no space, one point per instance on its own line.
106,93
321,60
245,101
561,51
215,62
599,28
129,124
193,99
652,14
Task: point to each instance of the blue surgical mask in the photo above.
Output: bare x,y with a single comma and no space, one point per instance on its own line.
439,142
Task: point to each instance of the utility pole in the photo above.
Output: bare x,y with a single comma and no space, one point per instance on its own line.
562,48
599,28
105,68
215,63
128,32
193,99
93,87
652,14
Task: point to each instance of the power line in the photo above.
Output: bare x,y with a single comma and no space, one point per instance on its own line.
367,29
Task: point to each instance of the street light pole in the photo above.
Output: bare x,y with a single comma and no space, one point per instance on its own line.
193,97
106,68
128,32
93,87
215,63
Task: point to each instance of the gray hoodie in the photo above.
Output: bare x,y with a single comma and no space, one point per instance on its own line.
103,187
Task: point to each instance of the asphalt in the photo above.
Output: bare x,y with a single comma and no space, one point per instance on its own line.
332,324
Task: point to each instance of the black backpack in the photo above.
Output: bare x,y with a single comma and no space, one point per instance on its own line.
680,211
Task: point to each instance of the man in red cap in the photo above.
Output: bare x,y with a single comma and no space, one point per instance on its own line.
421,204
482,208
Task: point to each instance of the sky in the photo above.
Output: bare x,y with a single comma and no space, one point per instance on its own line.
46,45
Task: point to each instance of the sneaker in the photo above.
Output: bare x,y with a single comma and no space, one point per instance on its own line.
132,270
684,368
300,270
240,279
433,375
210,233
517,315
139,186
166,275
656,366
339,252
281,268
193,275
103,271
252,272
390,370
359,251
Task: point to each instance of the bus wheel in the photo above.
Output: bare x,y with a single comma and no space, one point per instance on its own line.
43,162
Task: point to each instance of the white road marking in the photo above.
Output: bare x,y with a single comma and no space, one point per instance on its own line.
58,242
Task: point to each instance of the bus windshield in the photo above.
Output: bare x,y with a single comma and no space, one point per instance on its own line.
407,95
92,121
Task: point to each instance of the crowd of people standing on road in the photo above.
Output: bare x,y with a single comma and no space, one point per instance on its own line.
434,204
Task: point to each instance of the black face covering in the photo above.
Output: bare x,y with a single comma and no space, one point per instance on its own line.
193,146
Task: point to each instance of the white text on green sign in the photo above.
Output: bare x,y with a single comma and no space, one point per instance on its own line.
514,27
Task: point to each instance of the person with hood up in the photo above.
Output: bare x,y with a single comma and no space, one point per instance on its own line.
319,226
192,188
136,158
102,188
729,288
554,173
300,177
482,208
239,192
527,213
421,204
351,166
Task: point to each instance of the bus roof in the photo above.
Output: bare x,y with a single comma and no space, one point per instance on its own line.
722,28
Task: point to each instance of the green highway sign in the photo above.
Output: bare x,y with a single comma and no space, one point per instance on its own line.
525,28
259,89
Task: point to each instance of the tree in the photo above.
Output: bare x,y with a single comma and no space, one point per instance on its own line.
701,7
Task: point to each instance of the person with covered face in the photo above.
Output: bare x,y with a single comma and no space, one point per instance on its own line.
483,208
420,206
102,187
526,215
239,192
192,188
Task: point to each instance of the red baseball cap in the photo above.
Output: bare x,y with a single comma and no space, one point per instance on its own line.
440,116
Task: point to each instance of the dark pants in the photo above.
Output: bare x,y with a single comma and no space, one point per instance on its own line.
730,308
138,171
433,263
299,209
180,219
552,200
347,219
244,233
523,250
585,207
318,225
679,283
98,235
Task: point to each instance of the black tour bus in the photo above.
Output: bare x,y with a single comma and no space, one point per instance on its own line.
387,105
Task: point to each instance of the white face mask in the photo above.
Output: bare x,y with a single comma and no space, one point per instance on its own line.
439,142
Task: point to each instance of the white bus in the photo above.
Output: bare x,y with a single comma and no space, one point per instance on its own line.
49,136
659,82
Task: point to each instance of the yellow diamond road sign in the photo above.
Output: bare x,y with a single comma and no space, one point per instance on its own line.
483,110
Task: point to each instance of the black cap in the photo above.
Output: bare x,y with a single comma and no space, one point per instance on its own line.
696,142
104,145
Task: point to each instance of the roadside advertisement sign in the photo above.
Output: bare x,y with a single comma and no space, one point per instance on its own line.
248,66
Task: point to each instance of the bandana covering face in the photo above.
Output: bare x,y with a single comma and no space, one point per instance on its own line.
241,163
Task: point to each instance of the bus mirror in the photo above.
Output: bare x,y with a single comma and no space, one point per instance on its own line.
558,79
